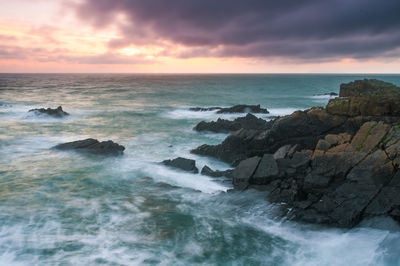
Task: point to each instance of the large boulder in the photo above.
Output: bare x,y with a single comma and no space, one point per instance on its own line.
56,112
93,146
184,164
244,172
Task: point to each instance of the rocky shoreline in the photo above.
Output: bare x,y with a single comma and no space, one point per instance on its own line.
335,165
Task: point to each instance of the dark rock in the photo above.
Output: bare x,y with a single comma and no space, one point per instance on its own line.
204,109
327,94
222,126
209,172
93,146
266,171
282,152
242,108
57,112
244,171
183,164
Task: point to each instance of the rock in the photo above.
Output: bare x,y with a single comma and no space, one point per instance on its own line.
204,109
183,164
244,171
222,126
57,112
209,172
242,108
282,152
323,145
368,97
266,171
368,87
303,128
327,94
93,146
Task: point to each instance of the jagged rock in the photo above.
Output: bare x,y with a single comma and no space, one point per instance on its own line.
183,164
209,172
242,108
244,171
222,126
93,146
57,112
303,128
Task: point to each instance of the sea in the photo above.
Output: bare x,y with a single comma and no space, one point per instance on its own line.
66,208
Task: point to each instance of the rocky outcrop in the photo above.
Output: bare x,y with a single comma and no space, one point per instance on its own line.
306,128
347,180
327,166
93,146
366,98
183,164
206,170
223,126
57,112
241,108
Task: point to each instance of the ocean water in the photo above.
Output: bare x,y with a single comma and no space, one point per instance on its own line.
65,208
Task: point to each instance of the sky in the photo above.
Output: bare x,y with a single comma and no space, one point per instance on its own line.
200,36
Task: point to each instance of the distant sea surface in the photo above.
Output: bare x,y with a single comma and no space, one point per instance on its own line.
65,208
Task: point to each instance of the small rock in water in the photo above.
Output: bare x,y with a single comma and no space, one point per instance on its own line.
93,146
57,112
183,164
241,108
206,170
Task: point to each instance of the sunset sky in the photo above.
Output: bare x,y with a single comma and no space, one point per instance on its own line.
200,36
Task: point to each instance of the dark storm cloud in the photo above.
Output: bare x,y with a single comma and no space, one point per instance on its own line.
305,29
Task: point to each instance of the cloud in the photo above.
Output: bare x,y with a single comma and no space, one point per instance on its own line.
302,29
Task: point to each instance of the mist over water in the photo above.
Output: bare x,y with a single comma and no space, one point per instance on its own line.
64,208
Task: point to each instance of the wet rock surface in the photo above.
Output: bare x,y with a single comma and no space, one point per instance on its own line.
93,146
56,112
184,164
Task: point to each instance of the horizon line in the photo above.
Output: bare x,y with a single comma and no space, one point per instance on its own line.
214,73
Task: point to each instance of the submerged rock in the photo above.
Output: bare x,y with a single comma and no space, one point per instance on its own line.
222,126
93,146
183,164
57,112
204,109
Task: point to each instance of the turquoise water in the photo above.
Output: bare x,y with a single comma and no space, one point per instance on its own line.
64,208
